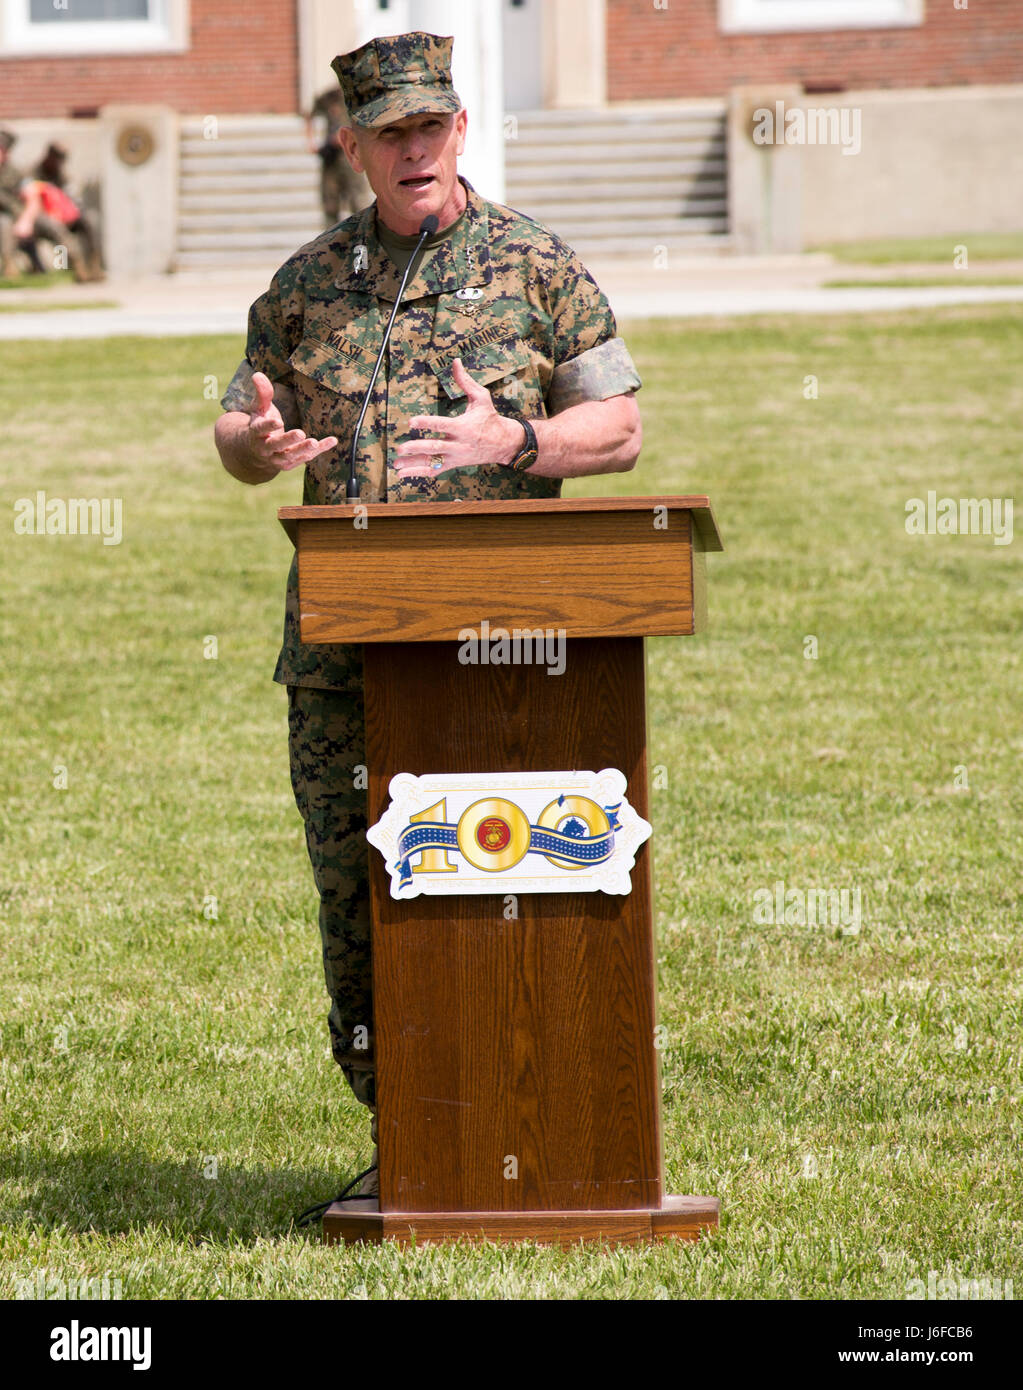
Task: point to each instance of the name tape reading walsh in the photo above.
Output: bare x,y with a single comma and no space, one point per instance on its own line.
515,832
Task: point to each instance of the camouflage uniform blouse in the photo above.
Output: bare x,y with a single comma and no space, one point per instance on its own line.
502,293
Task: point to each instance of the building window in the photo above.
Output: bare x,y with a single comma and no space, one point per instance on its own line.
777,16
93,26
84,11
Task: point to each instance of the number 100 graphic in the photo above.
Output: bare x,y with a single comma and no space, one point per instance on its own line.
522,832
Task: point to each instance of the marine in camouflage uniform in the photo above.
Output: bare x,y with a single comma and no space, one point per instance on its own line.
340,185
528,322
12,182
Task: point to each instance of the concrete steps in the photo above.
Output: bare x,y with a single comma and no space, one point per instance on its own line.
623,181
249,195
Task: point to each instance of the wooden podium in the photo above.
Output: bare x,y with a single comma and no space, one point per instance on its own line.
531,1039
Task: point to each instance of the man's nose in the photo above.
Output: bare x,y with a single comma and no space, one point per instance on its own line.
415,146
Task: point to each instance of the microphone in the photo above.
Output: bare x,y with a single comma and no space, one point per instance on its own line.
426,228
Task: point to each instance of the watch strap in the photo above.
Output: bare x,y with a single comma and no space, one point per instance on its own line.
527,455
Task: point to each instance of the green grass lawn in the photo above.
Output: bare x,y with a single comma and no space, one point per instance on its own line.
915,282
49,280
853,1098
55,306
980,246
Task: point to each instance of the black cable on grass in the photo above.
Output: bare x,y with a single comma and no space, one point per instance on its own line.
307,1217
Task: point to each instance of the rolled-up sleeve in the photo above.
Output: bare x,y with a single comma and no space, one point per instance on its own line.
595,375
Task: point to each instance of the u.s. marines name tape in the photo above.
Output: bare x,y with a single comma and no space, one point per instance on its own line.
516,832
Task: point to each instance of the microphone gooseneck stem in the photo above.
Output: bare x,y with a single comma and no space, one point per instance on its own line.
427,228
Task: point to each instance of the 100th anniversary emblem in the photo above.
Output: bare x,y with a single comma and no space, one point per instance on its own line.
520,832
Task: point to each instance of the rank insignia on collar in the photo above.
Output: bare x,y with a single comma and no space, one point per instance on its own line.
469,292
360,258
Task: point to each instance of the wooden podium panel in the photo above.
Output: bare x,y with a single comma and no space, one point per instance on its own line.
528,1043
422,571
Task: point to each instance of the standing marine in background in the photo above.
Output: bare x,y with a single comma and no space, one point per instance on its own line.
340,186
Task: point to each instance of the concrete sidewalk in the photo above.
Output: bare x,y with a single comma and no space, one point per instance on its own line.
217,301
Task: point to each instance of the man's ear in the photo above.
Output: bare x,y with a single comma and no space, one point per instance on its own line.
461,124
350,145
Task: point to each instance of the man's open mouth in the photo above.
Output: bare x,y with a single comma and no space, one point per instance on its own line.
417,181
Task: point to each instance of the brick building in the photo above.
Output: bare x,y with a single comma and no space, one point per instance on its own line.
693,48
621,123
243,56
225,56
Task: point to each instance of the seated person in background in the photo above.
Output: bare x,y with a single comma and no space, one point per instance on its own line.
31,209
60,202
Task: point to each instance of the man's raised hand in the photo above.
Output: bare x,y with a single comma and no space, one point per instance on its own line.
270,443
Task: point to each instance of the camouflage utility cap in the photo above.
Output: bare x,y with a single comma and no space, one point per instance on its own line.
388,79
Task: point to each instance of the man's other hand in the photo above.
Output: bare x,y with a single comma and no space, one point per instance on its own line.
600,436
478,435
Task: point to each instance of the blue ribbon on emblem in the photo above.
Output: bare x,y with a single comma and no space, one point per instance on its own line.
571,844
425,834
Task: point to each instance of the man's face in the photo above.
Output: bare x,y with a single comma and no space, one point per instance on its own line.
412,167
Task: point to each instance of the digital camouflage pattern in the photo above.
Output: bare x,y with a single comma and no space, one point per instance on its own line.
326,736
403,75
503,293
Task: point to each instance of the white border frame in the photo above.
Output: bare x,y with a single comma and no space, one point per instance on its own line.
166,31
796,16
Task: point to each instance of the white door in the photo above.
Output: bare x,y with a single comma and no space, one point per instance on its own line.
522,28
475,26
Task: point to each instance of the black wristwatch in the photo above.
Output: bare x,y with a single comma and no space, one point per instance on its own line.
526,456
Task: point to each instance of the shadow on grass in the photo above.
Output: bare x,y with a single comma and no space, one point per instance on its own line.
122,1193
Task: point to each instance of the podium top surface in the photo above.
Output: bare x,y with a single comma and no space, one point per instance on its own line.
696,504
